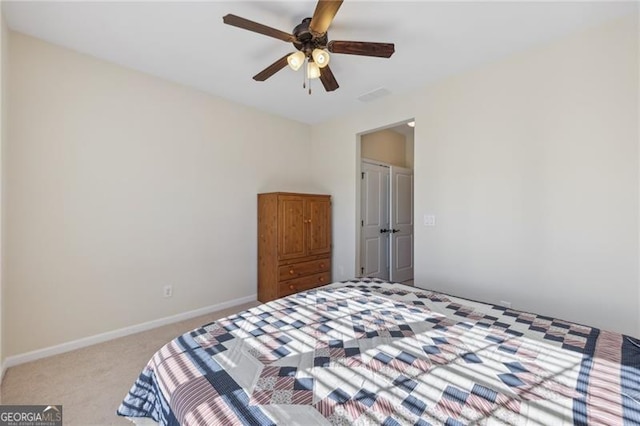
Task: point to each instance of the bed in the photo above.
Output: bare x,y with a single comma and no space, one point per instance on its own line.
373,352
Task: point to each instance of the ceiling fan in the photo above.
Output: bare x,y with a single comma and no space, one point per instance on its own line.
311,40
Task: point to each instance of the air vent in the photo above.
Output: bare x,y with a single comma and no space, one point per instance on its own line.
374,94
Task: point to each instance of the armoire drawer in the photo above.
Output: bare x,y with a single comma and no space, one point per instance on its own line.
302,269
286,288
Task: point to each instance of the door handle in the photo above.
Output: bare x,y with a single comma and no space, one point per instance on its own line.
384,231
393,231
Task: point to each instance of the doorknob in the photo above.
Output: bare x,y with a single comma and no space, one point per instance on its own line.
384,231
393,231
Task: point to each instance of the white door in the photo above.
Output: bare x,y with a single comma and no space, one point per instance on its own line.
401,244
374,206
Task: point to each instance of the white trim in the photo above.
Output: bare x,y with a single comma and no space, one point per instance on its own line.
14,360
376,162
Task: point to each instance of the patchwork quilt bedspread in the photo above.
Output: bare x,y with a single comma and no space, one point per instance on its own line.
372,352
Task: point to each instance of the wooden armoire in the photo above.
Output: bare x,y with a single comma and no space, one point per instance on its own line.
294,243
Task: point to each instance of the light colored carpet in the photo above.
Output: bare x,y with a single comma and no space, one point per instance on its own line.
91,382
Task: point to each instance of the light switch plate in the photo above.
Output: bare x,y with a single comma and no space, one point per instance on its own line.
429,220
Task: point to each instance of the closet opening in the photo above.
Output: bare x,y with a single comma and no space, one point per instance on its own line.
385,204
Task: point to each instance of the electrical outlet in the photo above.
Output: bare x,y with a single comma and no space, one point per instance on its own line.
505,304
168,290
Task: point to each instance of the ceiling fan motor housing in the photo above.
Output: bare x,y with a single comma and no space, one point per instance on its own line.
305,40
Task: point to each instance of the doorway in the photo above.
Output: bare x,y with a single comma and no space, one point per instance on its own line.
385,242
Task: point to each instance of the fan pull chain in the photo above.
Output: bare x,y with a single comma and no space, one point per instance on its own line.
306,80
304,73
307,74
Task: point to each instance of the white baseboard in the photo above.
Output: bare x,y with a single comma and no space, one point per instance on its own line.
14,360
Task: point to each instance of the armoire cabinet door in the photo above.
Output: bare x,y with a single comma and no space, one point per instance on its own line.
318,217
291,217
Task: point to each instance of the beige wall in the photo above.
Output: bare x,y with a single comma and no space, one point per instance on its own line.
4,51
531,166
386,146
119,183
409,151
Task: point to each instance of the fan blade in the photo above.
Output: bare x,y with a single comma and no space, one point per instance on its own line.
246,24
328,80
272,69
323,16
364,48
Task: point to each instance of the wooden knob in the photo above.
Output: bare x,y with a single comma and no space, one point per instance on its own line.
321,279
322,265
291,271
291,287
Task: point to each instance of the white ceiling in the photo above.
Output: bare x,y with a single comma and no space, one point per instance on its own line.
187,42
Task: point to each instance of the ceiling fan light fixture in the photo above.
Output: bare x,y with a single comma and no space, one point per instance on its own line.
295,60
313,71
320,57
